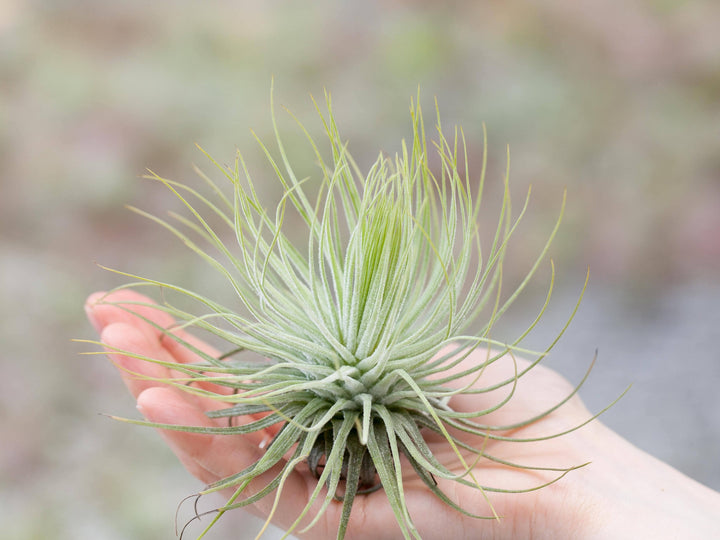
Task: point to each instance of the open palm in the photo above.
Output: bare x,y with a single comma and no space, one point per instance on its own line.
559,507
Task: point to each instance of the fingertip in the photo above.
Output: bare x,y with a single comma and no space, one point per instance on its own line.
123,336
89,307
163,405
127,306
166,405
133,353
94,298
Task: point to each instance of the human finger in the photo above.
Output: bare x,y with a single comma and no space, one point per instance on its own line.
126,306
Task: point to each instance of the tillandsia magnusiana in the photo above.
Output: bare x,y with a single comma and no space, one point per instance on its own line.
363,332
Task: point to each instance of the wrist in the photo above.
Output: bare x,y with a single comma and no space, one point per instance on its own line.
627,493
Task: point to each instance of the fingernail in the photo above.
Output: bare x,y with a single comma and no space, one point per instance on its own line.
141,409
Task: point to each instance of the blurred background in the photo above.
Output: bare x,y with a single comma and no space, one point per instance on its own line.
617,101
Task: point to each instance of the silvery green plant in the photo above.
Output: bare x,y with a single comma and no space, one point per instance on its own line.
364,331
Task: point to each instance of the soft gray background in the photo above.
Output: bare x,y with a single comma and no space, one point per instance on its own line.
616,100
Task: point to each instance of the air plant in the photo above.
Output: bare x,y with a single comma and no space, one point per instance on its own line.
364,332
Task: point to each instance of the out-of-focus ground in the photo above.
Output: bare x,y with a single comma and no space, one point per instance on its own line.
617,100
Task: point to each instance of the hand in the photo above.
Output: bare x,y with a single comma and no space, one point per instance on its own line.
622,493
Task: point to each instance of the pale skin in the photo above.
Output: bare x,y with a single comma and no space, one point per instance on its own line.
622,493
